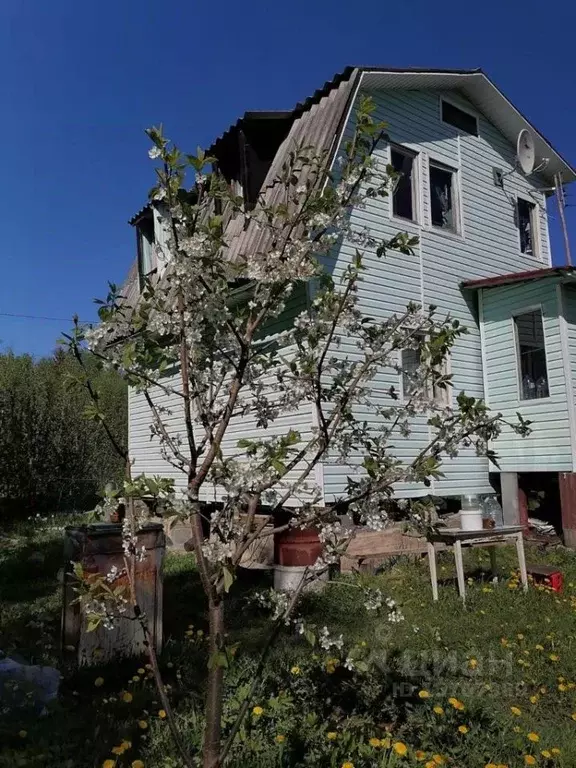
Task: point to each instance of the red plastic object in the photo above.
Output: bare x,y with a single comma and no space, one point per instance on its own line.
548,575
297,546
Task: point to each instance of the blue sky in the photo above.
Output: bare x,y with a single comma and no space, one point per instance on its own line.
81,81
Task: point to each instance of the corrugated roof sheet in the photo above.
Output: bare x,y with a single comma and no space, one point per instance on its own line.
519,277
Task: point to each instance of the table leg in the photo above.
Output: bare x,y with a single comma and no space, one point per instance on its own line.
493,563
460,569
432,566
522,560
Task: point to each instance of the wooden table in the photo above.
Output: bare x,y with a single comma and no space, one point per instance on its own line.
490,538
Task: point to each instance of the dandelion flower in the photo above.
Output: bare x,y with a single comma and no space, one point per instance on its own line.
141,671
473,663
419,754
529,760
331,735
517,729
545,753
347,764
142,724
555,751
126,744
161,714
108,763
430,764
118,750
438,710
22,734
520,636
533,699
257,711
438,759
516,711
98,682
424,694
490,765
127,697
295,670
533,736
137,764
400,748
374,742
280,738
539,647
554,657
463,729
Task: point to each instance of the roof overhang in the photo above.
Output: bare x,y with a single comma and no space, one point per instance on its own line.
567,274
483,94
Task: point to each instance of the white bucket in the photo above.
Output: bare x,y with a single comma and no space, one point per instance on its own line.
287,578
471,519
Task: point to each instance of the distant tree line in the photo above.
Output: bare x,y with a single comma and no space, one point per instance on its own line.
51,457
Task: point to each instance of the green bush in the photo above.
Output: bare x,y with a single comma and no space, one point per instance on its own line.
52,458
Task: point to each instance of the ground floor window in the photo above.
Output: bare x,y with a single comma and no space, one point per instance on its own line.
533,373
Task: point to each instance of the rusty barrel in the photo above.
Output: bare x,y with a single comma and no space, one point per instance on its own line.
297,546
98,548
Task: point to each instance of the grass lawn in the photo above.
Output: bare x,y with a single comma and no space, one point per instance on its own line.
493,684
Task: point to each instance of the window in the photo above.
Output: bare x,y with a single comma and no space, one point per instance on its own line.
459,118
410,361
531,355
527,226
146,240
443,197
404,195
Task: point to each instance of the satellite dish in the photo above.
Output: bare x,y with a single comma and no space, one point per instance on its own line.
525,152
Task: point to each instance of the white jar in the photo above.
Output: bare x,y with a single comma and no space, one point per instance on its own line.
471,513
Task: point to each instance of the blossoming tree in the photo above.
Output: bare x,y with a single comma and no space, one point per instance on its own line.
211,317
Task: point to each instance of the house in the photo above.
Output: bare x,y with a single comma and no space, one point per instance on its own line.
483,256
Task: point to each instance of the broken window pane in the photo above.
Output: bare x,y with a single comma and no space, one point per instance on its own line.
410,364
526,218
442,198
402,199
532,355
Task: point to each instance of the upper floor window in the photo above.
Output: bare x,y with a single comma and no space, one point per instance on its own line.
459,118
405,191
146,240
443,197
527,226
533,372
410,362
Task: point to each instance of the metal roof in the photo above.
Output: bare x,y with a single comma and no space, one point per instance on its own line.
519,277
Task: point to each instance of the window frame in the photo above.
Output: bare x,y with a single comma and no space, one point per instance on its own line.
457,229
469,112
535,225
446,399
525,311
139,249
415,186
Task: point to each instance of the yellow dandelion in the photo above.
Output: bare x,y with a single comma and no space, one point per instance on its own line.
430,764
554,657
347,764
438,710
463,729
331,735
162,714
22,734
520,636
142,724
98,682
126,744
562,687
295,670
438,759
137,764
257,711
400,748
141,671
424,694
374,742
280,738
473,663
490,765
517,729
385,743
539,647
555,751
545,753
533,699
127,697
118,750
420,755
529,760
516,711
109,764
533,736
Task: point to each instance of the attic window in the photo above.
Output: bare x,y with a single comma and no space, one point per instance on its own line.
443,197
527,226
459,118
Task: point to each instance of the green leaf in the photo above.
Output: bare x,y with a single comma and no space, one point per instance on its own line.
228,578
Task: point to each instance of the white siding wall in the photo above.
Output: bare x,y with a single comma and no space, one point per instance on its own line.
549,446
487,245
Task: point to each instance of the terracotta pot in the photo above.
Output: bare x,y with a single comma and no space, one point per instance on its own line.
297,546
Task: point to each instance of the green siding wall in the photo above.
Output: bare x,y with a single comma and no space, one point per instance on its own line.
549,446
488,245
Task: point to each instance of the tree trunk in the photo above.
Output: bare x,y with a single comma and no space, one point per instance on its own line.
215,693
